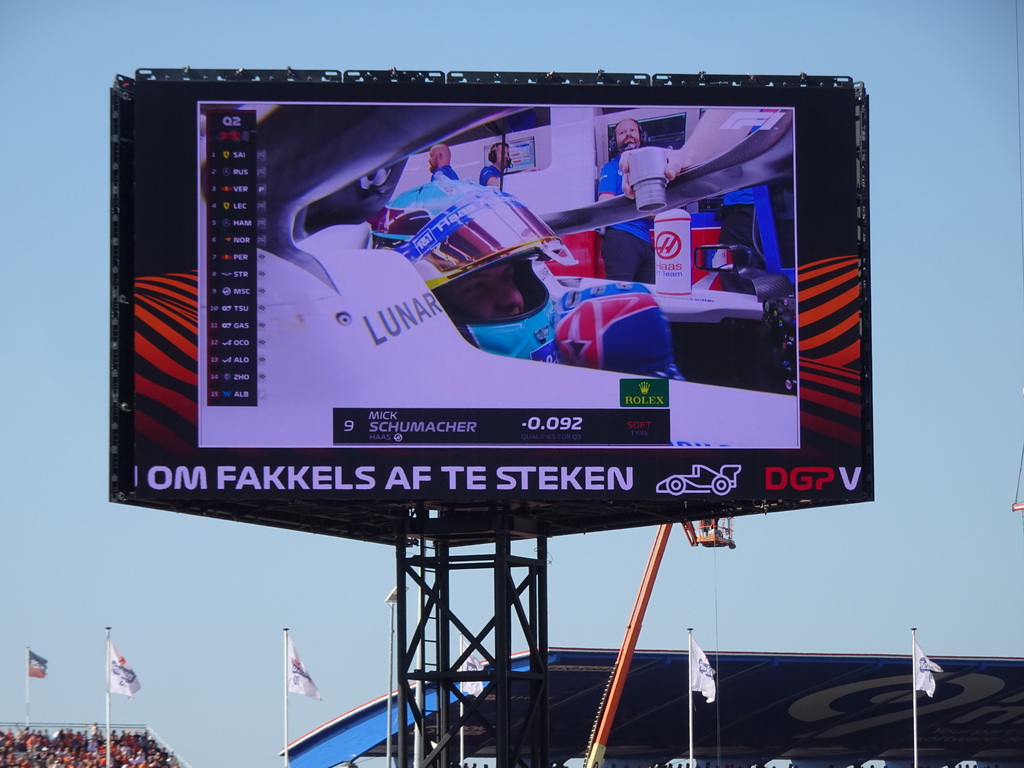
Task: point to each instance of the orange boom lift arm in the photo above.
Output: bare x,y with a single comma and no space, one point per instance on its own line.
715,532
610,703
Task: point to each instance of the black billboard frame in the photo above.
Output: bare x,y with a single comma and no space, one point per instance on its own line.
456,521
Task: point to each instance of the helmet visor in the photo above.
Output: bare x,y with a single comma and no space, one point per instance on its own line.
477,228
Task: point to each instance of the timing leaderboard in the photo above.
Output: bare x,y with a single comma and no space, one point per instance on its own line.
501,426
233,165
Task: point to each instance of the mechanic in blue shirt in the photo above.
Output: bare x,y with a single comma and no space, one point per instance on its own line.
440,163
498,161
627,248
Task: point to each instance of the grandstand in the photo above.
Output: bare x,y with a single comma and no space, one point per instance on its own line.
83,745
811,710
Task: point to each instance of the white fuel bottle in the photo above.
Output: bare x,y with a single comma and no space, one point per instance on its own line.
673,255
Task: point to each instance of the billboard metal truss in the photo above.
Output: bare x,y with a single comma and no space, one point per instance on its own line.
432,677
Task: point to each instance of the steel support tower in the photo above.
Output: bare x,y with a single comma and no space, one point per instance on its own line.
437,648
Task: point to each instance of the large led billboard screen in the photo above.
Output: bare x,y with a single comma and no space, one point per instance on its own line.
350,292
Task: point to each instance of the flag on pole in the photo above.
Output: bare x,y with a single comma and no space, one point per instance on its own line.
924,680
36,665
701,673
472,664
299,680
122,678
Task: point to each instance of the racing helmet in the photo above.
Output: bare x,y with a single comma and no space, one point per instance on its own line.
457,233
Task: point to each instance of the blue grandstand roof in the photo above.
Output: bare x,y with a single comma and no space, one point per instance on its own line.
844,709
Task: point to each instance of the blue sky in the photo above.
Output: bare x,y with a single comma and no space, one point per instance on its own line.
197,605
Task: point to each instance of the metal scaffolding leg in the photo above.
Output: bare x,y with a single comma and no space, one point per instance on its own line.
508,719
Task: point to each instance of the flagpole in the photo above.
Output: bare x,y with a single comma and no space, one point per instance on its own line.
391,599
689,677
462,730
418,733
286,697
462,736
28,690
913,684
107,675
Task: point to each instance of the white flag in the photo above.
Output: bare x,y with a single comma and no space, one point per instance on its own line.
924,680
701,673
473,664
299,680
122,678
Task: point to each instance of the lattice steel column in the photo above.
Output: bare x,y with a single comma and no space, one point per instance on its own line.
512,710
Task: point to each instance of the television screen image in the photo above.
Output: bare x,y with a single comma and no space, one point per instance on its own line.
379,327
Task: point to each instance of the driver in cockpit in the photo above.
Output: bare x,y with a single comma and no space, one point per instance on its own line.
482,253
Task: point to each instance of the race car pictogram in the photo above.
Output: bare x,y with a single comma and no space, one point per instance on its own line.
702,479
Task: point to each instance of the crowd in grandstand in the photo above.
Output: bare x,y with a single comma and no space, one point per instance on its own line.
28,748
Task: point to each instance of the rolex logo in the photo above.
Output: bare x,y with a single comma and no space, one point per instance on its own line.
643,393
